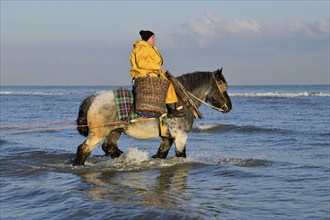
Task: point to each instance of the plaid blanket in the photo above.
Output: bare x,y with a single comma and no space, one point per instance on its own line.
125,104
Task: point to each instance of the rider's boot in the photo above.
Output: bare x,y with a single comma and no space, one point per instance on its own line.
173,112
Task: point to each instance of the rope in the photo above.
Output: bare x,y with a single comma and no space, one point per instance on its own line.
67,127
205,103
38,130
41,123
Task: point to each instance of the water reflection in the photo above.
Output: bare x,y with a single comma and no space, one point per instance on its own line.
160,187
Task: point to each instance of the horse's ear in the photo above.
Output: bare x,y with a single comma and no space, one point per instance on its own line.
221,77
219,71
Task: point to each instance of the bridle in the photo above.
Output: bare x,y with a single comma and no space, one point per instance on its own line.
222,87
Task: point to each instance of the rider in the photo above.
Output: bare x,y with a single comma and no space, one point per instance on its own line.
146,58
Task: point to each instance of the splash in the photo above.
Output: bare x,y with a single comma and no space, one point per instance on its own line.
132,159
135,156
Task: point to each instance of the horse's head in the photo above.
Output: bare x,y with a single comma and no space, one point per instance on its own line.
218,95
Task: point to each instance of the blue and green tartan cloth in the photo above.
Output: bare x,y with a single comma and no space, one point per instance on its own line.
125,104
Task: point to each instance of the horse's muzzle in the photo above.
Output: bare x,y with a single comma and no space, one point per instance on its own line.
225,108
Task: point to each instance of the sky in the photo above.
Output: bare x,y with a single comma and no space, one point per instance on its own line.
75,43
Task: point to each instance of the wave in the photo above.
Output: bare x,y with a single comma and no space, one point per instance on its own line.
206,127
34,162
134,159
232,94
212,127
249,162
280,94
32,93
3,142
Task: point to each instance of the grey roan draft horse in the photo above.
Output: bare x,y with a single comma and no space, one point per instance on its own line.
98,110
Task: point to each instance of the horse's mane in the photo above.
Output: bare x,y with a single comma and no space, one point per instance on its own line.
192,81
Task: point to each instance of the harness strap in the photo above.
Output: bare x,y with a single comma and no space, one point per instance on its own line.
205,103
216,82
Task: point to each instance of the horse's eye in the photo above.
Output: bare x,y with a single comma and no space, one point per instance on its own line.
223,87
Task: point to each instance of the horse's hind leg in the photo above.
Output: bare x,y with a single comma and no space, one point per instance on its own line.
85,149
109,146
165,146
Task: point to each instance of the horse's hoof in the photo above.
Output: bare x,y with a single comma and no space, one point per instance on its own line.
115,153
183,154
159,155
77,163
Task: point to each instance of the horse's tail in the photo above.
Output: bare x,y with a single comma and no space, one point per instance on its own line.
82,115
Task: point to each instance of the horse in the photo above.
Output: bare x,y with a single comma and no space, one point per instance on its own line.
98,115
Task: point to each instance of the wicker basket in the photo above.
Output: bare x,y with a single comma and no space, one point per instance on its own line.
150,95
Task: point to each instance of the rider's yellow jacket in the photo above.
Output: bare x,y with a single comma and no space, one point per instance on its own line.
145,59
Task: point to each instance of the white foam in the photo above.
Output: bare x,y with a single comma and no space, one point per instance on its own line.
133,155
205,127
31,93
280,94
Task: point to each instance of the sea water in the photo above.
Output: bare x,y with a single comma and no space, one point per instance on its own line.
266,159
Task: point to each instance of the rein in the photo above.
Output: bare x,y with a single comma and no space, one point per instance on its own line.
205,103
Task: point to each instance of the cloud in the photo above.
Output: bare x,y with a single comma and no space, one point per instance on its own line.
251,53
204,27
289,51
209,26
239,26
210,31
296,29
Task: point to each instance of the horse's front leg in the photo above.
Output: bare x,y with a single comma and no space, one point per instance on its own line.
165,146
180,144
109,146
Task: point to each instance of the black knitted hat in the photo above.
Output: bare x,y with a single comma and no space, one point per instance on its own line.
145,35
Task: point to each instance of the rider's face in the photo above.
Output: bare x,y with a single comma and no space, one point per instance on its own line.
152,40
